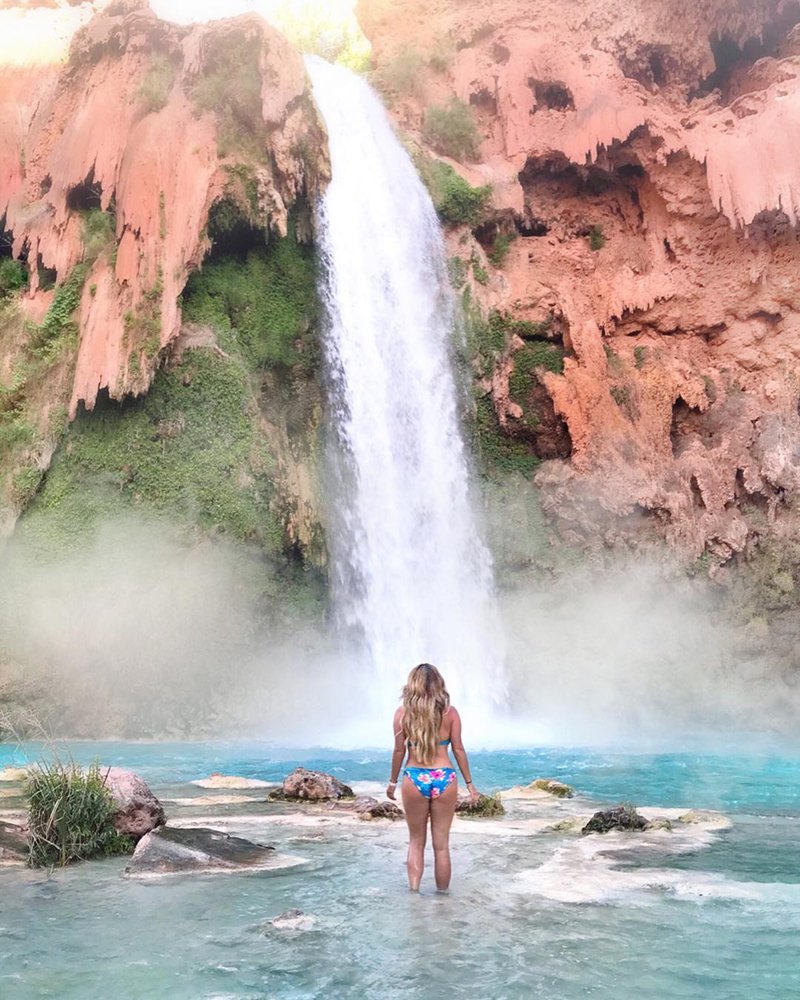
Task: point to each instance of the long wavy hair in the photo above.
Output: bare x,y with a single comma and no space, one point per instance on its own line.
425,700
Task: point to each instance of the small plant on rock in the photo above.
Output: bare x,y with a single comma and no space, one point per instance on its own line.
70,815
451,130
597,239
155,88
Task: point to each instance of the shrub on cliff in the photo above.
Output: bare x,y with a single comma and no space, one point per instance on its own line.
456,201
155,88
400,74
70,815
12,276
451,130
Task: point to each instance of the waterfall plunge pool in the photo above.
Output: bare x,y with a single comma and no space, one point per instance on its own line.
706,914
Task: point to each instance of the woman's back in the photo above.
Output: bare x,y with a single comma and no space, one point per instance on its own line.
441,750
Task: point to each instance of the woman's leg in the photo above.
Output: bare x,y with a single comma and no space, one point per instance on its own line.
443,809
417,809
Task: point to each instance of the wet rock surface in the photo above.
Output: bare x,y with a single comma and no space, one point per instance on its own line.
617,818
292,921
367,807
199,849
138,811
486,805
302,785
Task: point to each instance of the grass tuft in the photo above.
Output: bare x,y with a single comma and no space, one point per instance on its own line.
70,815
451,130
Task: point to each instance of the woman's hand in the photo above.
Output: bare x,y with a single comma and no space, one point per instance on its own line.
390,790
474,794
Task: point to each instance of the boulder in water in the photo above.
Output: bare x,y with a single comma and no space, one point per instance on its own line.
620,817
170,850
138,811
303,785
13,843
486,805
552,787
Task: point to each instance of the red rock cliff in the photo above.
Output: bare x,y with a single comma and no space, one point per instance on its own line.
151,122
645,157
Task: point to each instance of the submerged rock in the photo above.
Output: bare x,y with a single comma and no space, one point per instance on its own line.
617,818
487,805
138,811
291,920
230,781
312,786
13,843
170,850
659,823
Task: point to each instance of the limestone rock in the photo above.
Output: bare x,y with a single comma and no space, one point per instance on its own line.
617,818
138,811
487,805
169,850
553,787
313,786
659,823
230,781
366,807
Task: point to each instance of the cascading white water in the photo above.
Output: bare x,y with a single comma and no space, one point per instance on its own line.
411,572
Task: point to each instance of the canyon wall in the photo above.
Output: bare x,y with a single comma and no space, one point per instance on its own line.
645,190
122,167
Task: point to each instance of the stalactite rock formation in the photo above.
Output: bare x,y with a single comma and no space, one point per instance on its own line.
119,127
645,156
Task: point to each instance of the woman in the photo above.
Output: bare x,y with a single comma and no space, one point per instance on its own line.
425,725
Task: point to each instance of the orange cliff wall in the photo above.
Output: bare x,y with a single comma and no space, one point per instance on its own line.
63,125
679,391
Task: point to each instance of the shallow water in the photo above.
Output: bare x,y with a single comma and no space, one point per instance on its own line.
695,914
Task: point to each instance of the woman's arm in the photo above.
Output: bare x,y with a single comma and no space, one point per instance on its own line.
398,754
460,754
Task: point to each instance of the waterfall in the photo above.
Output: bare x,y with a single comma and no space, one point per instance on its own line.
412,576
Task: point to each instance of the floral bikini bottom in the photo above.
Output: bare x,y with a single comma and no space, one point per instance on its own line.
431,782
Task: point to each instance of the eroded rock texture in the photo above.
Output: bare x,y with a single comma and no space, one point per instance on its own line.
643,158
149,122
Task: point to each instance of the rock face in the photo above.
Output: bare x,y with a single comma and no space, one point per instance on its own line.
144,123
553,787
642,158
138,811
313,786
487,805
617,818
167,850
366,807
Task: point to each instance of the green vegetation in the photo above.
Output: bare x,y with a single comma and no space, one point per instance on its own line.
269,300
498,453
98,232
59,331
24,484
479,272
155,88
457,271
499,252
614,360
451,130
455,200
597,239
640,356
13,276
441,55
621,394
400,74
710,388
313,26
191,450
230,88
70,815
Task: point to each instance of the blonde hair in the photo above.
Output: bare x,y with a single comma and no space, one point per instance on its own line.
425,700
